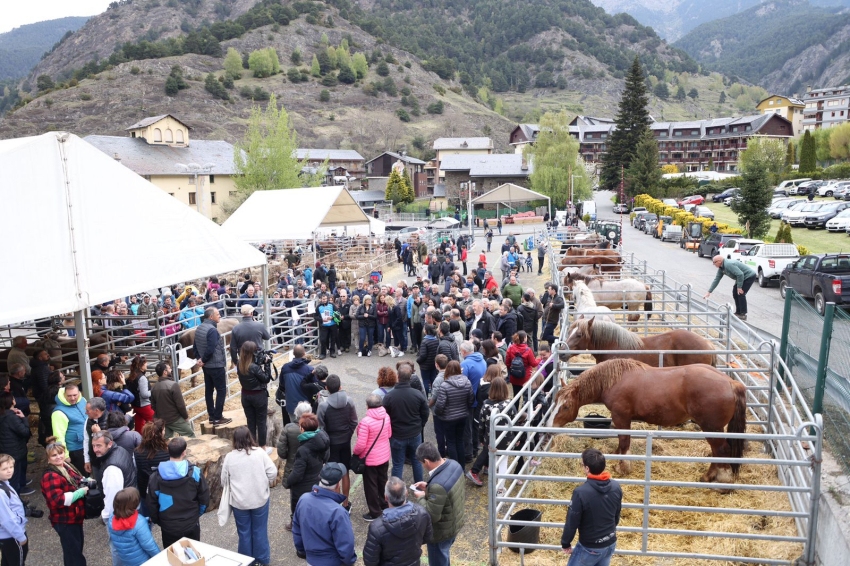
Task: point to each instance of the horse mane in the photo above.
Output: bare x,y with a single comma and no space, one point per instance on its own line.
604,333
592,382
586,279
583,291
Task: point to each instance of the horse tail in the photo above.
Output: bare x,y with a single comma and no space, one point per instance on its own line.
738,424
647,306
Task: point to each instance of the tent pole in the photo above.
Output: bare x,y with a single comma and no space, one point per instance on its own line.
550,208
83,352
267,309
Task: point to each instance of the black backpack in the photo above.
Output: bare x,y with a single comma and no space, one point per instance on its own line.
520,320
517,369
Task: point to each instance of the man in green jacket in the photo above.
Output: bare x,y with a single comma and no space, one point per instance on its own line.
443,496
513,291
743,276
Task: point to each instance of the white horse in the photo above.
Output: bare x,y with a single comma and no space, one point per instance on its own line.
586,306
621,294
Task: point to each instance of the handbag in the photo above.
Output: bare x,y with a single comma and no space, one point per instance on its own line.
224,507
358,464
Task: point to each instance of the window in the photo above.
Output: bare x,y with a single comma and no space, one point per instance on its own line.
212,198
589,136
192,199
212,179
694,132
157,135
133,134
169,136
180,136
191,179
603,136
771,102
677,133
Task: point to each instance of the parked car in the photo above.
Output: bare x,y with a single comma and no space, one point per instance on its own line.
735,247
824,214
822,277
827,189
780,193
638,209
790,186
711,244
662,223
640,218
670,202
720,197
808,187
839,223
768,260
841,190
797,215
703,212
621,208
777,208
693,199
728,201
689,207
649,225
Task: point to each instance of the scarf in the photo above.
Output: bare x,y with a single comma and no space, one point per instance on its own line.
307,435
64,472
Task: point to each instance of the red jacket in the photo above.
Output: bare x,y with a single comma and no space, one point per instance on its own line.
491,284
54,487
528,359
483,259
463,255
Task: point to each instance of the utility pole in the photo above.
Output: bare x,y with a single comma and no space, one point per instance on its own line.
622,199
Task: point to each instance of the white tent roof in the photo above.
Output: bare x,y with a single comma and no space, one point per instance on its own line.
294,214
508,193
78,228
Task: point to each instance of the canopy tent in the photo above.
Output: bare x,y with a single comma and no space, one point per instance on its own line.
65,251
510,193
61,239
261,216
376,227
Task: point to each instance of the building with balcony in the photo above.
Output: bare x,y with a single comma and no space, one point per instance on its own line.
826,107
340,162
382,165
458,146
787,107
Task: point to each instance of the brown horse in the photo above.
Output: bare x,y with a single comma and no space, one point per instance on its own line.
662,396
592,252
590,334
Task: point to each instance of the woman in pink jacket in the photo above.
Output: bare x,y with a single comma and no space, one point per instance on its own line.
373,445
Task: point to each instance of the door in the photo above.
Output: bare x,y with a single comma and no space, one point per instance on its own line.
750,258
800,275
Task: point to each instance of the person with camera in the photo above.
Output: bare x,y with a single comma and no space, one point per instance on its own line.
247,329
254,372
65,490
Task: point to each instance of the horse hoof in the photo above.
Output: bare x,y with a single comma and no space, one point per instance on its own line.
624,468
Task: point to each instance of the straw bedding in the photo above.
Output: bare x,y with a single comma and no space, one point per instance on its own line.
742,499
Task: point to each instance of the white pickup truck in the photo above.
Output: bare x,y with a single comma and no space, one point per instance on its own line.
768,260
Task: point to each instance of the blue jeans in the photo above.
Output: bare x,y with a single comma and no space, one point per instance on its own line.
252,526
583,556
406,448
383,334
366,340
439,552
428,376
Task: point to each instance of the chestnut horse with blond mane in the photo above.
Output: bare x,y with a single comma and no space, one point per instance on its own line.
596,334
634,391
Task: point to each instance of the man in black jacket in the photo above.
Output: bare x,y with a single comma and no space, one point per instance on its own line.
552,313
447,346
338,417
396,538
247,329
177,495
408,411
427,354
594,512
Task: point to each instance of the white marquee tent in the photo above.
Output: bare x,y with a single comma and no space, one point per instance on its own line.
78,228
294,214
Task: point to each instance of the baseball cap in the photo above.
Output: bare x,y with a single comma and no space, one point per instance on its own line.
331,474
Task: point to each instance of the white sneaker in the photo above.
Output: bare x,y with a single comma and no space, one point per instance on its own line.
369,353
393,352
359,354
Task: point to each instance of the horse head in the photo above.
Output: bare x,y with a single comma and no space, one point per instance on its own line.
580,335
566,408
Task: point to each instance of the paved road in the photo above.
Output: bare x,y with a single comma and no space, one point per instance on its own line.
765,305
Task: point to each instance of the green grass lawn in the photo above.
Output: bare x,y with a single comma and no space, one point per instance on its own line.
817,241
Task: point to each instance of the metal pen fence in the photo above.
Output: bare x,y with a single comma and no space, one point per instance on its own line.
790,435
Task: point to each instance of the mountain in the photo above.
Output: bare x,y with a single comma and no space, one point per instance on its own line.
22,47
782,45
673,19
436,68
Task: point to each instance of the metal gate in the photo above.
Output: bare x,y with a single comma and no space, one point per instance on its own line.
778,419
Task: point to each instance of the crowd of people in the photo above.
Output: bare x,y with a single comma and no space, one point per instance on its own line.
475,343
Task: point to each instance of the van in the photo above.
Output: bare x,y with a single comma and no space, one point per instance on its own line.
588,207
790,186
561,217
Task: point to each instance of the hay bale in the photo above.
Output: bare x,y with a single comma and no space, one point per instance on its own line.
685,472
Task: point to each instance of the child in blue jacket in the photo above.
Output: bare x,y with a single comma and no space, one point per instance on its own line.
129,533
13,520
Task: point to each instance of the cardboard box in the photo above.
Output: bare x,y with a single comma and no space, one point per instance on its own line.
176,558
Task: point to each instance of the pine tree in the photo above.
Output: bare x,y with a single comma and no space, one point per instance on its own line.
409,194
680,93
790,155
661,90
722,97
808,153
643,174
755,198
315,68
395,190
632,121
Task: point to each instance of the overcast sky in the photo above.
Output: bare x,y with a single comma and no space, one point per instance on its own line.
19,12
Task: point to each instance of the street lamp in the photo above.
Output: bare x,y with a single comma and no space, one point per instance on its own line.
202,200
